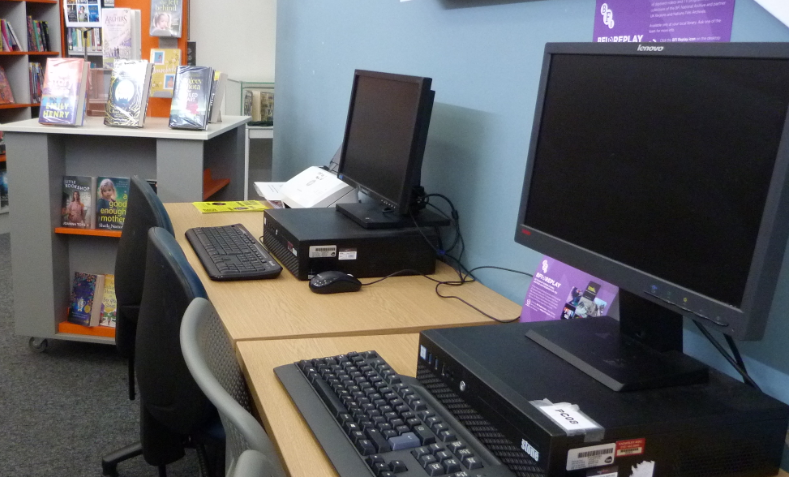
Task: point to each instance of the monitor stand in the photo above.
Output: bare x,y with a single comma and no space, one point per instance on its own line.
377,216
644,350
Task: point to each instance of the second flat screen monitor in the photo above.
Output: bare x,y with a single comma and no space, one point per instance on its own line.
385,138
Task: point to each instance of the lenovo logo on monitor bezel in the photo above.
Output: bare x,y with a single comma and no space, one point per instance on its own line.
649,48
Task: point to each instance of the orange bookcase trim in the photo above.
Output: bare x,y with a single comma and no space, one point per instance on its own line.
74,329
92,232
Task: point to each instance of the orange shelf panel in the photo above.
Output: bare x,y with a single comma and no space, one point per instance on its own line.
212,186
2,157
74,329
18,105
91,232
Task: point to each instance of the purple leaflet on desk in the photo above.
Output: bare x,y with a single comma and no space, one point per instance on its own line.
561,292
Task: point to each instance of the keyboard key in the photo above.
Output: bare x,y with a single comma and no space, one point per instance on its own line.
451,465
365,447
434,469
407,440
472,462
397,466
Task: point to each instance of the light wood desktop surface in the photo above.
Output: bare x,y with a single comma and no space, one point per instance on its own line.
284,307
299,450
301,453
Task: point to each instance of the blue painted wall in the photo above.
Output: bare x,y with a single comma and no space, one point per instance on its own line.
484,57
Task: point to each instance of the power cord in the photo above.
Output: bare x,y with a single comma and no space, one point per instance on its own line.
736,362
444,254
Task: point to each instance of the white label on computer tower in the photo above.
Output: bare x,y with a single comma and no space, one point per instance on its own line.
568,416
423,353
347,254
643,469
592,456
322,251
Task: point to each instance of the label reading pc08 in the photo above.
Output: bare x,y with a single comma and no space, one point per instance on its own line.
592,456
322,251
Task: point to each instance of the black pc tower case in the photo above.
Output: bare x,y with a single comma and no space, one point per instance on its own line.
494,379
311,241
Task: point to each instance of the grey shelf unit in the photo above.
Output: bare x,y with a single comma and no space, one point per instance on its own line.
43,262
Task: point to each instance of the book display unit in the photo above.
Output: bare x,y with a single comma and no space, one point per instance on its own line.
45,256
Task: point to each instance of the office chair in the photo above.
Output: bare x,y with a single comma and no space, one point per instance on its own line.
251,463
144,210
174,412
210,357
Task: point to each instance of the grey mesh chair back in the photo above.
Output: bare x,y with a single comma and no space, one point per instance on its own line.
210,357
250,463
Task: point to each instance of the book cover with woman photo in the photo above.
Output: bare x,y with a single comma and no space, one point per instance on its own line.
77,205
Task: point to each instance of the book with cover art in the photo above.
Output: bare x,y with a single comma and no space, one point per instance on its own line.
127,99
82,13
191,96
77,204
86,293
166,18
6,96
166,62
121,35
64,93
112,196
109,304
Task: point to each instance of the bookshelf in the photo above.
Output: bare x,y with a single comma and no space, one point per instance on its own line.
45,255
16,64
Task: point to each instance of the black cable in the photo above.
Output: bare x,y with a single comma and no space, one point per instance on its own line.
735,352
459,282
741,370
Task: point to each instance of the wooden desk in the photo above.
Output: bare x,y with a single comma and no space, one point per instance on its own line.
300,452
285,307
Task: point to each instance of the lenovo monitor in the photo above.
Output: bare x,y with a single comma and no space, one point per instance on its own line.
663,169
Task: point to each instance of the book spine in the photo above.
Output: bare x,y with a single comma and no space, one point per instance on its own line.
31,39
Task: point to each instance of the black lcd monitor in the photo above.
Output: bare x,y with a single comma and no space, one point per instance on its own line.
383,146
663,169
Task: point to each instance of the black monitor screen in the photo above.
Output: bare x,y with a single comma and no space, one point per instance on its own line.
662,164
385,135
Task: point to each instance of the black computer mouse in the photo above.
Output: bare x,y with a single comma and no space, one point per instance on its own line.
334,282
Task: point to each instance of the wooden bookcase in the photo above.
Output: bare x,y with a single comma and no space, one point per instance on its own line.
15,63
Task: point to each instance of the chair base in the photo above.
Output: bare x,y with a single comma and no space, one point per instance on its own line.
109,463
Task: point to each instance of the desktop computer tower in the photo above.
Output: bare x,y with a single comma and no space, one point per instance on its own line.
311,241
494,379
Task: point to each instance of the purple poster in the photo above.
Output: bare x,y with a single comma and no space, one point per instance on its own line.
663,20
559,291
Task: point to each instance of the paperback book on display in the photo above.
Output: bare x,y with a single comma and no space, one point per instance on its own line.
127,100
64,93
163,79
191,97
121,35
166,18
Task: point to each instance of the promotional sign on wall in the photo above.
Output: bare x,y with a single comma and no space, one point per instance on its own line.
663,20
561,292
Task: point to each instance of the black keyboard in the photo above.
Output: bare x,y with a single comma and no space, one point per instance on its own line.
230,252
371,421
